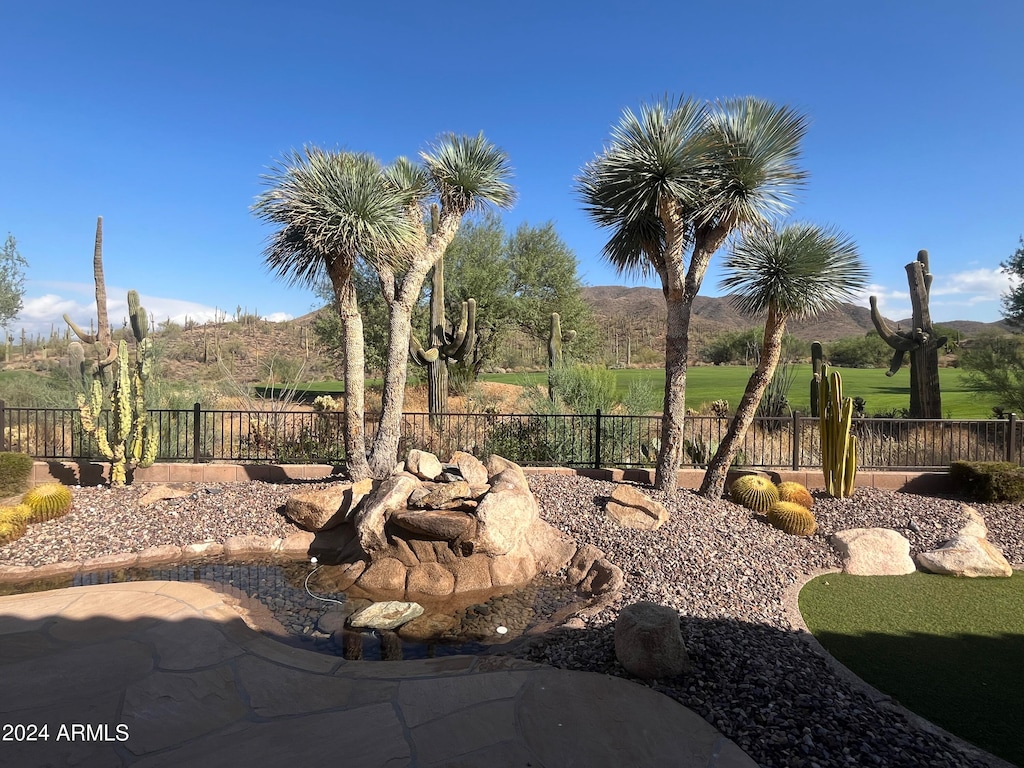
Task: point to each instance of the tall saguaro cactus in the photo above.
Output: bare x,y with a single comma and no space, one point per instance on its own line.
817,358
920,341
555,340
838,445
455,345
116,379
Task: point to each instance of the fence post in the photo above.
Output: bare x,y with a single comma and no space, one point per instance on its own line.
196,413
597,439
3,426
1011,439
796,440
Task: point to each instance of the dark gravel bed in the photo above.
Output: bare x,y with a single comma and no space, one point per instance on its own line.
722,568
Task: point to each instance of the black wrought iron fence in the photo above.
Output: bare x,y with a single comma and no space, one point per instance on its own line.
591,440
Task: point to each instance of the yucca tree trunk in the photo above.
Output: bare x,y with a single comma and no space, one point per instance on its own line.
354,371
384,453
771,350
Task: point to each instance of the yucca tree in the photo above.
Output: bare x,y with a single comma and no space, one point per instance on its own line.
330,209
672,184
799,271
460,174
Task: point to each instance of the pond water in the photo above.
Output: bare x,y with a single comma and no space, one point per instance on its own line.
280,587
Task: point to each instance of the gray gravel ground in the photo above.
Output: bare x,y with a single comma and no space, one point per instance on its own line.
721,567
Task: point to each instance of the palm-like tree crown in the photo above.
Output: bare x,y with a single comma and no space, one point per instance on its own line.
330,206
469,172
707,167
798,271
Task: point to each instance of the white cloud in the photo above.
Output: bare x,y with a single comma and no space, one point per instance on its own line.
985,284
278,317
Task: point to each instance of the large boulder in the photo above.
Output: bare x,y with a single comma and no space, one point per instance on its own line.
369,520
325,508
873,552
633,509
965,556
505,514
648,642
471,468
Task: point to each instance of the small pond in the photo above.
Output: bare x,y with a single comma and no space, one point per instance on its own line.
279,586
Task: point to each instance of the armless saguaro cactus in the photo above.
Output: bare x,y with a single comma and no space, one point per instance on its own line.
920,341
817,357
555,340
454,345
128,441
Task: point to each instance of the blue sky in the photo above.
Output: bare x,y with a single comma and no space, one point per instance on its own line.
161,118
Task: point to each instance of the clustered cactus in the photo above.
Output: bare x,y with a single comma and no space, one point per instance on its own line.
838,445
118,380
787,505
792,518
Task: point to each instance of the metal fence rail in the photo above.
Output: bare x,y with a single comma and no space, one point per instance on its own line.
591,440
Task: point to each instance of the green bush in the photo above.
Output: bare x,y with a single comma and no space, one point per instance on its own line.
988,481
584,388
15,472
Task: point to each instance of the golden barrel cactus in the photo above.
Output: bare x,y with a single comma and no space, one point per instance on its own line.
47,501
792,518
795,492
754,492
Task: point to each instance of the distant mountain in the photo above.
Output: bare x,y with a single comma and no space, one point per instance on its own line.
617,306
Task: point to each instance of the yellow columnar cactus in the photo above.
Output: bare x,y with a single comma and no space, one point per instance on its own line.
838,445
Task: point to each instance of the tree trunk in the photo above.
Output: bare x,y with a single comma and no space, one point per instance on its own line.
354,372
670,454
771,350
384,453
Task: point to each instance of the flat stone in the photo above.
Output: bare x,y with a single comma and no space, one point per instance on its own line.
430,579
110,562
202,549
873,552
423,464
161,493
297,544
633,509
167,553
389,614
15,573
243,546
325,508
470,467
446,525
332,579
423,549
443,494
966,556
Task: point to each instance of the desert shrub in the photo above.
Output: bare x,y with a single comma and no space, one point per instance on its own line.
15,471
584,388
533,440
988,481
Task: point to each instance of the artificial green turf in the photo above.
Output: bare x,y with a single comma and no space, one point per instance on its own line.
710,382
949,649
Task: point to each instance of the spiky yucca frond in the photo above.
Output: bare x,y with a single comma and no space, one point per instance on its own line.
47,501
796,493
792,518
469,173
331,206
754,492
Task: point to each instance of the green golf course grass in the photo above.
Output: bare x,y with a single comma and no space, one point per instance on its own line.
951,650
880,392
